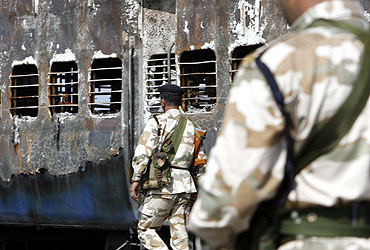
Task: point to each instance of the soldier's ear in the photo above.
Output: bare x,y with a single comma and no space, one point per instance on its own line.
163,103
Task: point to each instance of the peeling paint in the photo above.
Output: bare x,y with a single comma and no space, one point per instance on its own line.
186,30
67,56
367,15
99,55
27,60
210,45
251,32
36,6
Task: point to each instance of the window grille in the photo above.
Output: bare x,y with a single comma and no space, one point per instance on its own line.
238,55
198,78
156,76
63,87
105,91
24,90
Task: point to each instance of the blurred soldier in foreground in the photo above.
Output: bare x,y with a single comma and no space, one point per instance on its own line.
316,67
165,152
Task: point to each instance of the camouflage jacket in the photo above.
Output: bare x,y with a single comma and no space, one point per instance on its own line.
182,180
315,69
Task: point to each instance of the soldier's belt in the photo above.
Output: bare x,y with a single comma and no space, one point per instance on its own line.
350,221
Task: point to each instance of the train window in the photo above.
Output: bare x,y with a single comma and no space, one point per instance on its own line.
157,75
63,87
237,56
24,90
198,78
105,85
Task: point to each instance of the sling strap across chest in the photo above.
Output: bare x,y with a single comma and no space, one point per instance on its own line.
265,224
324,137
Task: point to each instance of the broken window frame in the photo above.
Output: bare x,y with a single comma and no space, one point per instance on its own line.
69,102
154,79
185,76
14,98
245,50
93,81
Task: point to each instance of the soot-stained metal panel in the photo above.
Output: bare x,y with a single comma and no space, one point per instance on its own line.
105,25
93,197
62,169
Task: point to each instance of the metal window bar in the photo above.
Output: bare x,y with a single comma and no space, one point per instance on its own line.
64,95
196,63
105,80
24,86
199,86
198,73
198,78
63,87
63,105
23,97
105,93
25,75
96,103
237,56
65,72
24,90
100,69
25,107
62,84
157,75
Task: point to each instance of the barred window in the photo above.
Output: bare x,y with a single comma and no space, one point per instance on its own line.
238,55
24,90
63,87
156,76
105,86
198,78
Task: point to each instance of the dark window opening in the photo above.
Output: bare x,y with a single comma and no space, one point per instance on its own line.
24,90
106,86
156,76
238,55
63,87
198,78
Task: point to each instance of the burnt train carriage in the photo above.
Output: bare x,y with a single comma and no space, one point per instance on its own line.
79,79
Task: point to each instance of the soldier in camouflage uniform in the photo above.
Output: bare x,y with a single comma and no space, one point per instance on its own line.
315,69
170,202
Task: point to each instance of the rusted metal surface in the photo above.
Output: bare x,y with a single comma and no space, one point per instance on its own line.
41,157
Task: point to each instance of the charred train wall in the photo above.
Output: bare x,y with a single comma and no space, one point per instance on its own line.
72,168
66,168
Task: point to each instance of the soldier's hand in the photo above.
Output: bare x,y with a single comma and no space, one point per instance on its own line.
134,190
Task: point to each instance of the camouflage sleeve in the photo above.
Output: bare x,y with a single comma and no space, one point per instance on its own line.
246,164
144,149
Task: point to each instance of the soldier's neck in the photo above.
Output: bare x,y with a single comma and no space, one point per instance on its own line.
166,108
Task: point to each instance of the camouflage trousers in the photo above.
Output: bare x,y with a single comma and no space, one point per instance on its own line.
156,208
326,243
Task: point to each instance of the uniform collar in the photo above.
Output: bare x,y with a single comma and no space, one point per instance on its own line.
173,112
331,9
